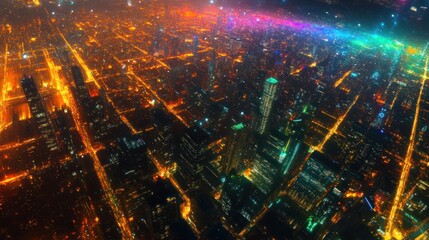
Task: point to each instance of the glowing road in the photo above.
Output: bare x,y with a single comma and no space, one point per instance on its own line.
2,88
334,129
52,69
80,127
100,171
341,79
169,108
79,60
16,144
185,208
407,161
139,79
101,174
147,86
14,178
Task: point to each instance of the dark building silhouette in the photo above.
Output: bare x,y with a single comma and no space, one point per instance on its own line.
193,153
39,113
235,147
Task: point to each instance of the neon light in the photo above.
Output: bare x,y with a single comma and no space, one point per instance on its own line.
311,225
238,127
272,80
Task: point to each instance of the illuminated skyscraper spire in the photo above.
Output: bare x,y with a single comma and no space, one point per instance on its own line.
269,94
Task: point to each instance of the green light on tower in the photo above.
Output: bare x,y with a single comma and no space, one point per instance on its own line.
305,109
272,80
310,225
238,127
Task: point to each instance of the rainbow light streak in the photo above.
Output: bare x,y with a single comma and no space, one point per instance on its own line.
356,39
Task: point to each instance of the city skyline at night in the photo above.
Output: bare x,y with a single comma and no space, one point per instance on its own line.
248,119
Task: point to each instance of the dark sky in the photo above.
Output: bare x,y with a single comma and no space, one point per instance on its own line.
372,16
350,12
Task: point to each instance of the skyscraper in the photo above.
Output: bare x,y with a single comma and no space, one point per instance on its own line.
82,91
269,94
211,73
93,107
234,148
195,46
315,180
164,146
193,153
39,113
269,161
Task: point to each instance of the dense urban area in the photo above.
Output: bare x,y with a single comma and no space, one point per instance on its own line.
168,119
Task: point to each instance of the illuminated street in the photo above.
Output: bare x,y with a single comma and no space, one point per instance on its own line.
407,160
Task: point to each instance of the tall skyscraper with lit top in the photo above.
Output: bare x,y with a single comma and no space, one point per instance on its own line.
39,113
268,97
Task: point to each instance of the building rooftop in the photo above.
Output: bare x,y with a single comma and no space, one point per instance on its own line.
272,80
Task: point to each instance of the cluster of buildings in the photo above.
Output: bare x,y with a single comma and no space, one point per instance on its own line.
184,123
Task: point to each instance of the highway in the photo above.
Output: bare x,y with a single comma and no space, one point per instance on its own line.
407,164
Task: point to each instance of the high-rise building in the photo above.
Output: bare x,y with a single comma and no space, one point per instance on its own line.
193,153
164,140
62,121
211,73
265,173
164,213
126,164
39,113
81,90
416,210
267,169
240,201
234,148
268,96
314,181
235,192
195,46
292,151
93,107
